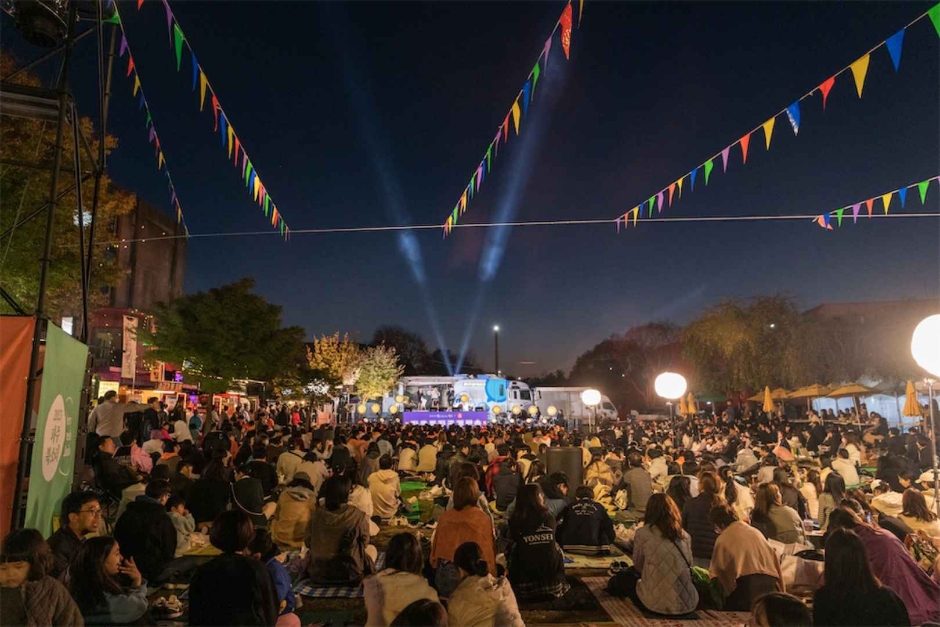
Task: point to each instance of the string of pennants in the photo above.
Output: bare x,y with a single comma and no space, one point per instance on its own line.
230,140
859,71
825,220
517,112
154,137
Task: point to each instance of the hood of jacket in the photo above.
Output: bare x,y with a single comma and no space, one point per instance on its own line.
299,493
345,515
385,476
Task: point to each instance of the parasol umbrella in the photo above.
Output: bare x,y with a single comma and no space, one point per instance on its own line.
768,400
809,392
690,402
854,390
683,408
911,404
779,394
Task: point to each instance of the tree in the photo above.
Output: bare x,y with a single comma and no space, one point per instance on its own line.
410,347
548,379
224,334
337,358
25,189
379,371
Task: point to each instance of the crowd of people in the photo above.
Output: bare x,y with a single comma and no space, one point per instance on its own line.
702,508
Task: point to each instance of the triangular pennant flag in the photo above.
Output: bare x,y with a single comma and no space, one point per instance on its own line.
793,113
869,204
659,202
505,129
140,3
499,134
745,141
536,72
151,135
902,196
923,185
178,45
453,217
169,18
463,202
825,88
886,200
244,160
825,218
934,14
149,120
472,185
618,223
672,189
692,175
114,19
580,11
215,111
708,170
768,130
515,115
202,89
173,196
251,181
724,158
123,45
839,216
565,21
526,94
479,176
257,189
230,134
547,49
249,172
192,56
136,83
679,183
160,160
274,216
894,44
859,70
142,101
489,158
267,205
855,209
651,201
130,64
636,214
224,130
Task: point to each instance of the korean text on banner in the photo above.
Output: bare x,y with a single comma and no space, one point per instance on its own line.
129,356
16,338
53,459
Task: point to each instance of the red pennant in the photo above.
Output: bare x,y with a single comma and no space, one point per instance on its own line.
506,129
215,111
565,21
869,203
745,141
140,3
237,145
130,64
825,88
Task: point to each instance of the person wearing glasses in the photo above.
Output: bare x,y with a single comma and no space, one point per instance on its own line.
81,515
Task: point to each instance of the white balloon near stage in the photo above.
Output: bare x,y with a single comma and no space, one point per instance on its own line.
925,344
591,397
670,385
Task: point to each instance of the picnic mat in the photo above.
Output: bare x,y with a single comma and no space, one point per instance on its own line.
596,561
307,589
624,612
413,486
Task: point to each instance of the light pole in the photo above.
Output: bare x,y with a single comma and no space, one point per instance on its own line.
496,348
670,386
925,348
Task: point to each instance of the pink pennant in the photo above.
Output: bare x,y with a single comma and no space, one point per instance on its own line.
659,199
618,223
825,88
499,134
855,209
724,157
479,176
169,20
548,48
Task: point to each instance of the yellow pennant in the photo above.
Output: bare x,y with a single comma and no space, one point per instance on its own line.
136,83
859,71
230,133
769,130
257,187
636,214
160,160
679,183
886,199
202,89
516,114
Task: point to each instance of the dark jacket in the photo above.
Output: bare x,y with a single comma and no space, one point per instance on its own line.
845,607
586,528
445,461
341,460
265,473
247,495
232,590
794,498
536,563
215,441
112,476
368,465
207,499
695,521
64,544
145,532
506,484
181,485
639,487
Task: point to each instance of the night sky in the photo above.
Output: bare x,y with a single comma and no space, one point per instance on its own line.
378,113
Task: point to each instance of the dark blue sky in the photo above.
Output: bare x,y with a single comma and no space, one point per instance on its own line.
377,113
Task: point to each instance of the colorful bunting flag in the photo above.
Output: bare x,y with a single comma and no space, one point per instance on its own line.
526,92
923,185
140,3
192,56
123,46
130,64
672,187
659,201
793,113
516,115
825,88
679,183
230,134
224,132
565,22
769,130
855,209
536,72
203,82
178,45
902,196
744,141
859,70
708,170
886,200
869,204
636,214
839,216
934,14
546,49
489,158
136,84
651,201
169,19
724,158
215,111
894,44
692,175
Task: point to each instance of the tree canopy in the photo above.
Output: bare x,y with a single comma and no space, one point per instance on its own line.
411,348
338,359
379,371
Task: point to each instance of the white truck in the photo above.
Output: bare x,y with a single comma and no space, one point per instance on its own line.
567,401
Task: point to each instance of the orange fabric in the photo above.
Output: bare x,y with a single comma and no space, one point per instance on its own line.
16,337
471,524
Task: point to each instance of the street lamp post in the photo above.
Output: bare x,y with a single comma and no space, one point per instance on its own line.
925,348
496,348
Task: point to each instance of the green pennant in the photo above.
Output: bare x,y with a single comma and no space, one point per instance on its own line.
473,180
934,14
453,216
535,76
839,216
923,185
267,204
248,169
652,201
114,19
149,120
178,44
489,158
708,169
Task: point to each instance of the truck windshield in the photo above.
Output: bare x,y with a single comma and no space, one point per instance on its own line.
525,395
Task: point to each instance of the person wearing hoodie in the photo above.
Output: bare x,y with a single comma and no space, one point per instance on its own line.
385,487
289,461
465,523
659,470
407,459
399,584
481,600
338,538
295,506
586,528
443,464
315,469
146,532
506,484
427,458
368,465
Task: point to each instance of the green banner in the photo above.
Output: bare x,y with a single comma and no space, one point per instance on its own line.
53,459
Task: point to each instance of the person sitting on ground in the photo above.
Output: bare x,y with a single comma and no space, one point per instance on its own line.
846,468
315,469
480,599
597,472
295,506
852,595
289,461
368,465
211,493
232,589
585,527
916,515
28,595
469,469
427,458
248,496
662,555
535,563
831,497
183,523
894,567
790,496
638,482
338,537
777,609
399,584
466,522
261,468
385,487
170,457
506,484
695,518
97,589
422,613
774,519
811,489
80,517
146,532
263,549
679,491
736,495
407,459
182,482
743,562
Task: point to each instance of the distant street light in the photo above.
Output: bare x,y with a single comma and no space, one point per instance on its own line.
925,348
591,398
496,348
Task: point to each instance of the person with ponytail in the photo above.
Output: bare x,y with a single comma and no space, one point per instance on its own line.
481,600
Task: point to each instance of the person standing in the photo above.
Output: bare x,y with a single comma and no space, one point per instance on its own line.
107,419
